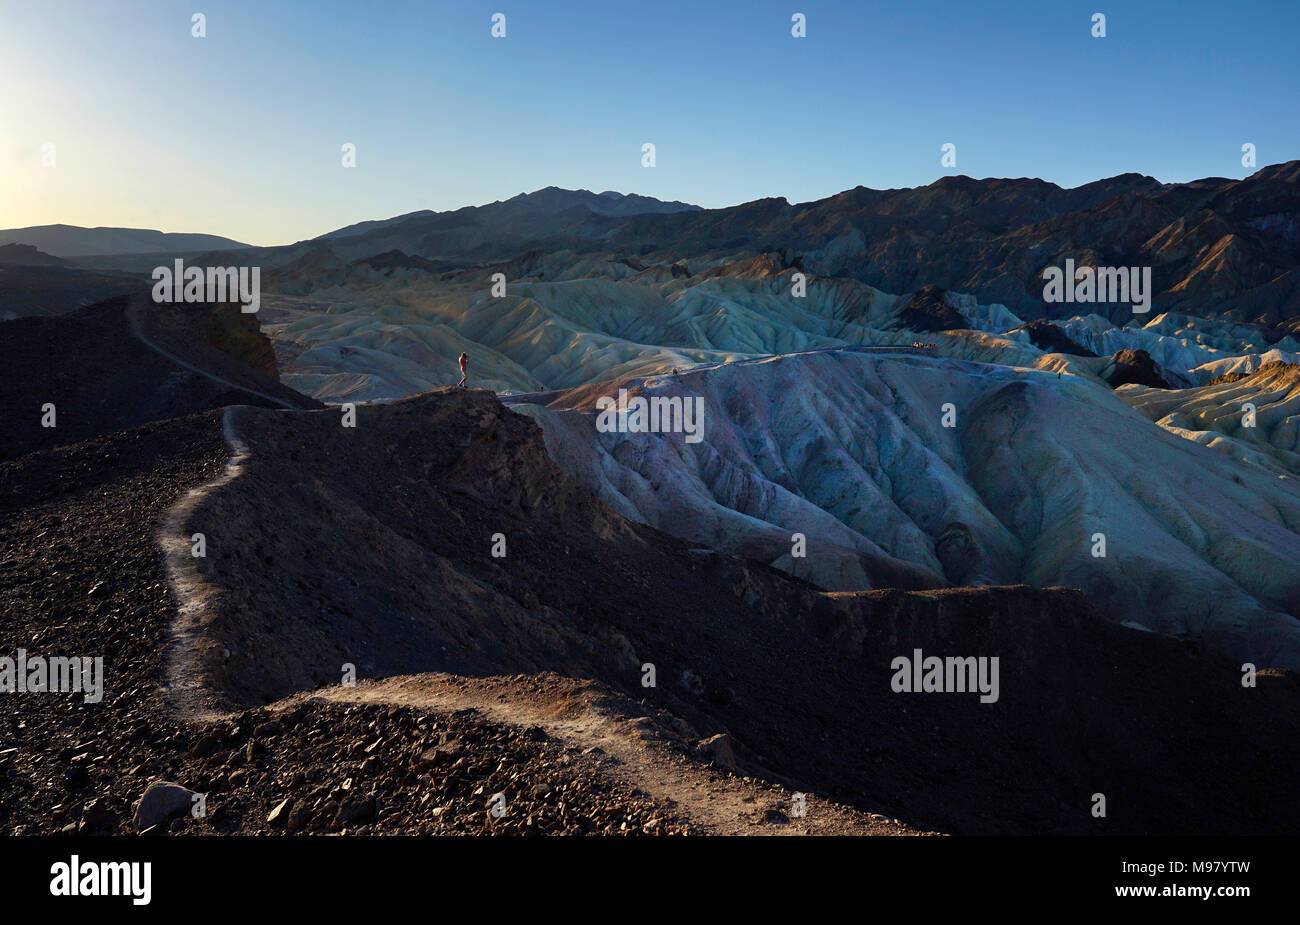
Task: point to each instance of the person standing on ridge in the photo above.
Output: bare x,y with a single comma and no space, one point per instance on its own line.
464,367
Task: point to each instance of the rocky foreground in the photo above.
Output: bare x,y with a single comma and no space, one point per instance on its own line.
81,574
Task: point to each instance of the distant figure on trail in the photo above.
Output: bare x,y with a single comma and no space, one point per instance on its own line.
464,367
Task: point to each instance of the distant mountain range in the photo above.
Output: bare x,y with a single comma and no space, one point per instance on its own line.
75,241
1216,246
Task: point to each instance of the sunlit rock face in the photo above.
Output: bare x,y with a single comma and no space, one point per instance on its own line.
1253,418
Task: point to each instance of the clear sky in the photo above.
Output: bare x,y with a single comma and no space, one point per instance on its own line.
239,133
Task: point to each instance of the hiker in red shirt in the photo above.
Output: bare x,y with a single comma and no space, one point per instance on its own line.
464,366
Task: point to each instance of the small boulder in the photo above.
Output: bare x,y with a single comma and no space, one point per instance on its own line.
299,818
161,802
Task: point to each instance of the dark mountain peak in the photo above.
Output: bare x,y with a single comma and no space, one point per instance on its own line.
1120,183
550,202
960,180
547,192
1133,367
610,202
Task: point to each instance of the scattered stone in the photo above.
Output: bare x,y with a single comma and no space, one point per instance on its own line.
205,745
717,750
355,809
280,815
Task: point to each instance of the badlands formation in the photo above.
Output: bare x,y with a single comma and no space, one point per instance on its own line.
1041,480
824,421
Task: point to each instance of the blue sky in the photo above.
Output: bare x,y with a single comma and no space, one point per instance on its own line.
239,133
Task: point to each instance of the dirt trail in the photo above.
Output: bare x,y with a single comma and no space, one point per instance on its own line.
188,691
584,717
